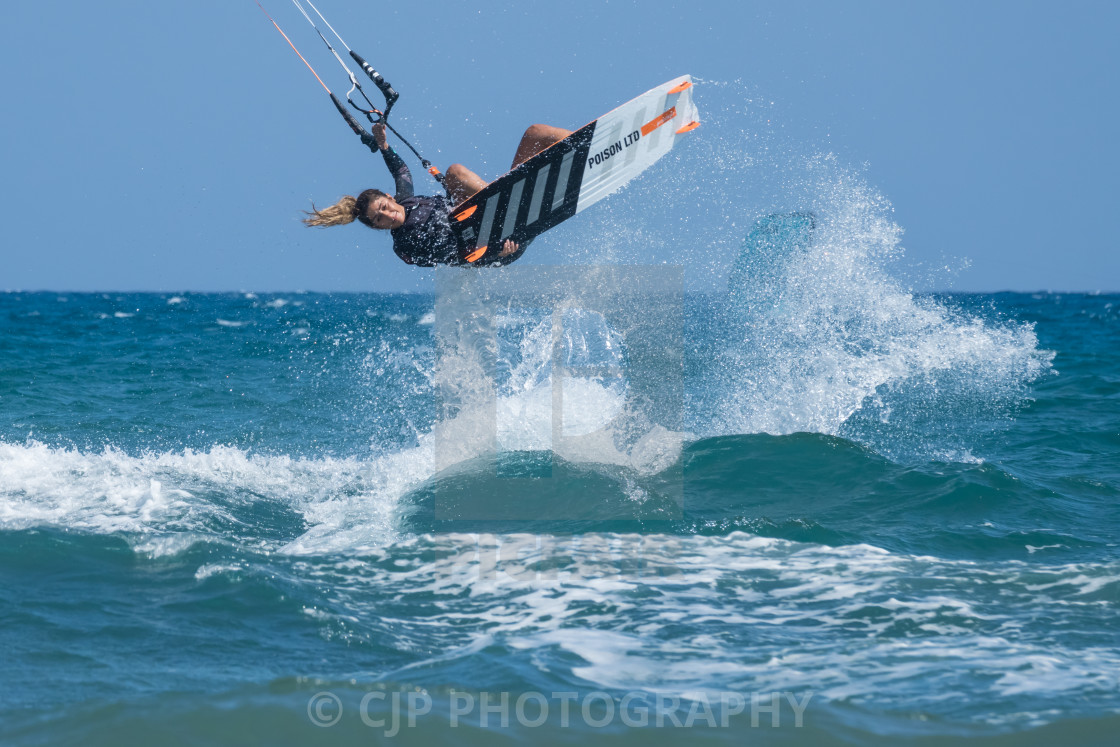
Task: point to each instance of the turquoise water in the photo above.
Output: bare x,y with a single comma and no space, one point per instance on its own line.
897,511
814,508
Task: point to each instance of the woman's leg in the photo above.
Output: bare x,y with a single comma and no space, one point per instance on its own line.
460,182
537,138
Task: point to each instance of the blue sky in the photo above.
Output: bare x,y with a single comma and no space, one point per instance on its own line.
172,146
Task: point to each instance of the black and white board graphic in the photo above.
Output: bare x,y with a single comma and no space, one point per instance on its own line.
576,172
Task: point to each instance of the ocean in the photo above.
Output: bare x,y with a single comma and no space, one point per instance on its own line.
817,508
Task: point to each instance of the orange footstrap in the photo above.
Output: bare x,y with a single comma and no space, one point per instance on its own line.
653,124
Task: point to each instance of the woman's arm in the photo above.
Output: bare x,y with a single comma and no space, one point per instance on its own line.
402,177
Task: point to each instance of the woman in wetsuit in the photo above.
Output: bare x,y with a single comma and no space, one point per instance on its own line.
419,225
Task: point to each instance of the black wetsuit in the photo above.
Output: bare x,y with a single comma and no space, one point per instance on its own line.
426,238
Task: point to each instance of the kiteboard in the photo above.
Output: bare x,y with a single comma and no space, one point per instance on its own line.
575,173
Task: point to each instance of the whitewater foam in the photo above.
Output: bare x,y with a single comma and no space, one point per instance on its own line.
875,628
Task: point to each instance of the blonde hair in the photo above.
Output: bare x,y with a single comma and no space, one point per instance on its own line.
346,210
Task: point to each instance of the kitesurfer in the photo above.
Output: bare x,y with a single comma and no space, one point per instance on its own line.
419,224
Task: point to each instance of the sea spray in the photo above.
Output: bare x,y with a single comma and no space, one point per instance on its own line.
840,336
823,338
